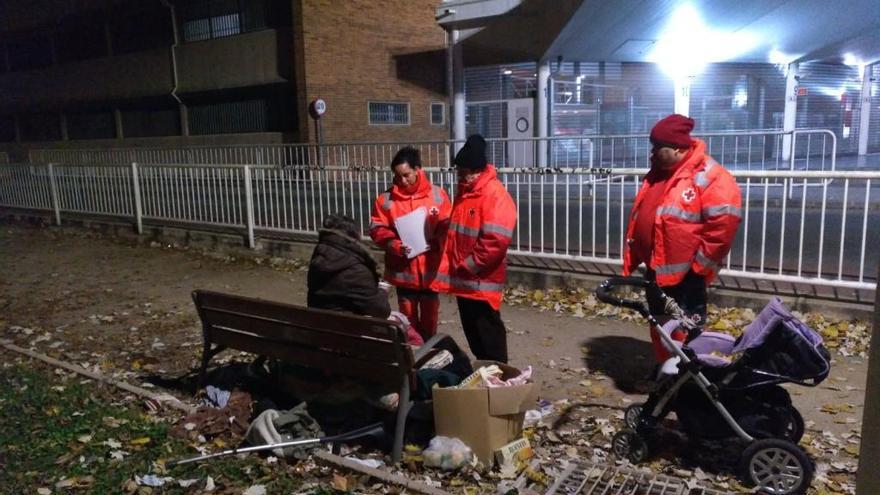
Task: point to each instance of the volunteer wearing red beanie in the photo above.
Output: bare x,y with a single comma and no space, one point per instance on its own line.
683,220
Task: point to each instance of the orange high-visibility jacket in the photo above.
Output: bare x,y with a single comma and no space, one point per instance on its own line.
480,230
418,272
696,221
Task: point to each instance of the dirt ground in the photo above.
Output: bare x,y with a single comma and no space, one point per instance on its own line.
125,309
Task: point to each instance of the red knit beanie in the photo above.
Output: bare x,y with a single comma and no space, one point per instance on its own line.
674,131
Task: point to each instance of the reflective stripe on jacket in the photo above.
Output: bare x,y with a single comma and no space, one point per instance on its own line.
418,272
695,223
480,230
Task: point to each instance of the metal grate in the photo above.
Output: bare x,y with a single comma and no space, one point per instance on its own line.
593,479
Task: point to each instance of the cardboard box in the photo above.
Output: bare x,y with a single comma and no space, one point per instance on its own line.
483,418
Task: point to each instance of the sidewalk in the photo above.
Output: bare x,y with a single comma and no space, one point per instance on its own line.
126,309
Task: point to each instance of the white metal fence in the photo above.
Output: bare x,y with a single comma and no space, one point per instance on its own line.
817,235
761,150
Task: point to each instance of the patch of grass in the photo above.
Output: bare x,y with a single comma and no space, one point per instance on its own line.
76,430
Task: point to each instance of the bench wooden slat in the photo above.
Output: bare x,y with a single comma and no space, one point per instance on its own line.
311,317
288,333
373,371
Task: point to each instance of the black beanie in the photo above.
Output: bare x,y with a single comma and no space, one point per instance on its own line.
473,154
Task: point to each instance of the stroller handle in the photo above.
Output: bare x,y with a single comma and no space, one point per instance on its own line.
605,293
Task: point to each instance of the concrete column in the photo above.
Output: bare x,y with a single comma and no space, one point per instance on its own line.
458,101
6,57
184,119
542,117
865,109
868,476
117,117
108,38
682,100
17,127
790,112
62,118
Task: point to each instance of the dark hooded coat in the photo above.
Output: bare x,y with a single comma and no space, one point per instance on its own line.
344,276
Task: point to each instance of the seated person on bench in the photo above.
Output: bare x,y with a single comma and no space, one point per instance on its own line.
343,275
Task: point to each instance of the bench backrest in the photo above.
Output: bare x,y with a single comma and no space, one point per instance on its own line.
357,346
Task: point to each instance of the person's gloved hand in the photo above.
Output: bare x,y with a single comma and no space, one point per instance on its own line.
398,248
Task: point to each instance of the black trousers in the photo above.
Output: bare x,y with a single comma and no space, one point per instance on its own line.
483,329
690,294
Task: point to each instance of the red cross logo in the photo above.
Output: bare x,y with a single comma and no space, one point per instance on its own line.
434,211
688,195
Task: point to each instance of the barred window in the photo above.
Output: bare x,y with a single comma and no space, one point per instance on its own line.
267,108
388,113
438,113
210,19
141,30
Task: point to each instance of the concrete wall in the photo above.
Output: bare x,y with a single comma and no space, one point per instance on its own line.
250,59
146,73
351,52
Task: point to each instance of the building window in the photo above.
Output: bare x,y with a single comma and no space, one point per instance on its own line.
31,53
210,19
150,117
81,37
255,109
388,113
7,128
91,124
438,113
40,127
141,30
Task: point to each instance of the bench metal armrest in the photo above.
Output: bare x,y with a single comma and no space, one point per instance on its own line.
427,350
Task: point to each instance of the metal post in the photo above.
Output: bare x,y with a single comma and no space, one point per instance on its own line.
790,110
542,119
682,97
136,188
56,205
865,109
249,206
868,477
458,109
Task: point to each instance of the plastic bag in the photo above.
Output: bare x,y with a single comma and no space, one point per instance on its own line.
447,453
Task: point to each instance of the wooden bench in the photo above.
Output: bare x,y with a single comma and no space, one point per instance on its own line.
368,349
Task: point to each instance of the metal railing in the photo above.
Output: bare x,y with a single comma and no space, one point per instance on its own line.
759,150
815,235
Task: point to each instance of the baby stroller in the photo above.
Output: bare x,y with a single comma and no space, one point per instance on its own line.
722,387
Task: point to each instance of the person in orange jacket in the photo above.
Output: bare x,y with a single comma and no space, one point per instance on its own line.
683,221
412,275
475,251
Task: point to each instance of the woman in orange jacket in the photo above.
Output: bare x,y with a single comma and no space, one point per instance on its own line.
475,251
412,275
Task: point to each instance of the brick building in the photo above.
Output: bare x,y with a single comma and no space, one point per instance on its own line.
96,73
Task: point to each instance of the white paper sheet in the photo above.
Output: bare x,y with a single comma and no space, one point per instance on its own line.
411,229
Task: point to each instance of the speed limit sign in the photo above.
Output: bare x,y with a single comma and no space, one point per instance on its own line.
317,108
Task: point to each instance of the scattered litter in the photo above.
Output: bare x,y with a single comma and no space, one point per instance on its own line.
447,453
152,480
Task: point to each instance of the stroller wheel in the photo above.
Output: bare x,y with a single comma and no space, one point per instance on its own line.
631,415
777,467
627,444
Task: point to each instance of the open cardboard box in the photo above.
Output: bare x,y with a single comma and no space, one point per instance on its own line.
483,418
